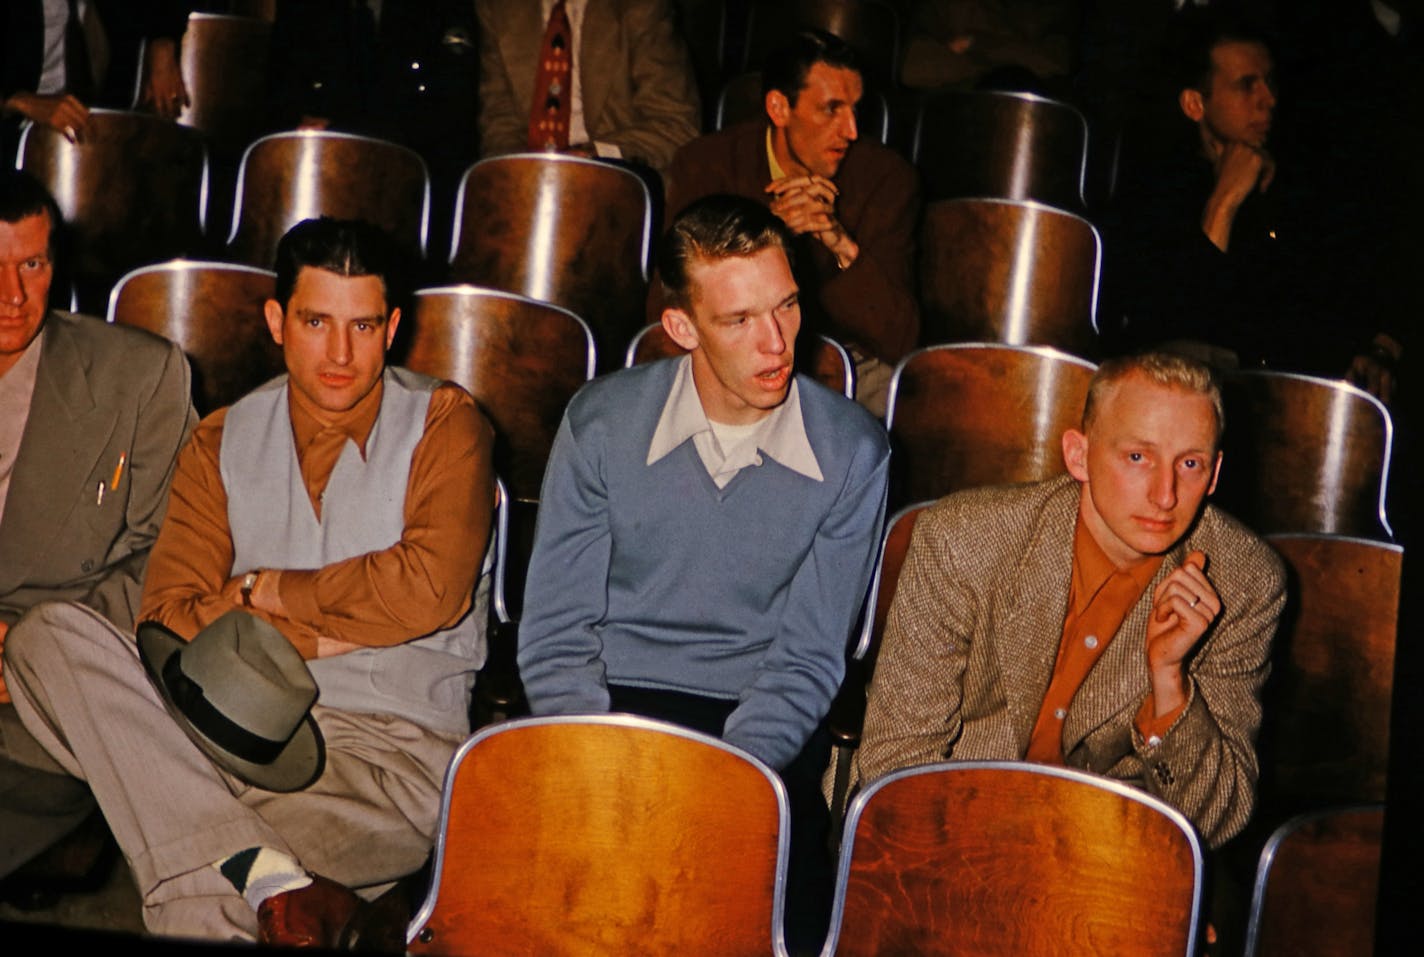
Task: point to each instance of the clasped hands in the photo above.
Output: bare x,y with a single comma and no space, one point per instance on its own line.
807,204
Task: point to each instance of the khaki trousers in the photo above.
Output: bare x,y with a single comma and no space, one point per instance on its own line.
370,818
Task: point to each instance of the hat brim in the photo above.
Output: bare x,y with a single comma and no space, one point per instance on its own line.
301,760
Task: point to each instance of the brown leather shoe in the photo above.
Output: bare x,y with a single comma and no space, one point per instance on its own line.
311,916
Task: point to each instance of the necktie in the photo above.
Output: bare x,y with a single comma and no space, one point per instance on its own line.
553,85
78,76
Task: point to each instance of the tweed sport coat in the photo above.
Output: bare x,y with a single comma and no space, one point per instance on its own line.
974,632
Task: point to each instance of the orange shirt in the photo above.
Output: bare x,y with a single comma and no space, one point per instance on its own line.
422,583
1100,596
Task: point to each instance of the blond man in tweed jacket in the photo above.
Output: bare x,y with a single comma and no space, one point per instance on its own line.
1171,702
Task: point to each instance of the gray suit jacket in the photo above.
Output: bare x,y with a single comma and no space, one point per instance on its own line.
101,391
634,72
974,632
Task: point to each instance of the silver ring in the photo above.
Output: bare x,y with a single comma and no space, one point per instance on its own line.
1195,599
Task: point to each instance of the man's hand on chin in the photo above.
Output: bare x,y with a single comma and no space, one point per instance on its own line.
1183,607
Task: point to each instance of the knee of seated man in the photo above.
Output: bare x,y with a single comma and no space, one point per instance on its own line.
44,630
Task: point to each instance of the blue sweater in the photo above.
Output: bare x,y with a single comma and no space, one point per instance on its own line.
648,575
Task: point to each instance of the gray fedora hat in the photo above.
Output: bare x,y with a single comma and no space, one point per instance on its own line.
243,694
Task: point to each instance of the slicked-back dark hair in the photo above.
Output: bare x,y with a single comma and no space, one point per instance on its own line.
713,228
1196,32
347,247
787,65
23,196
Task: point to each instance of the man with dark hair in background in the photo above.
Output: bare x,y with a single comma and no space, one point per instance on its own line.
853,205
348,504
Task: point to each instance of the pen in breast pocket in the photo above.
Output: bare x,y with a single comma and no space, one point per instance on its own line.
99,498
119,470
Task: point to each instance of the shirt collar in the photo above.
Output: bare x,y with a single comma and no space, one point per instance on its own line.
356,423
781,435
776,171
1092,568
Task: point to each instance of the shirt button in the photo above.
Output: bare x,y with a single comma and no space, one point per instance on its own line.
1060,713
1091,641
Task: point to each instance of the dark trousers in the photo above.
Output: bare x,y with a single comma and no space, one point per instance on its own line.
810,874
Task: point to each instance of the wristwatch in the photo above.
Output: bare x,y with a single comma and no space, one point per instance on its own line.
249,582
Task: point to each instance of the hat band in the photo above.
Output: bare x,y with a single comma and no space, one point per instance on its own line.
216,726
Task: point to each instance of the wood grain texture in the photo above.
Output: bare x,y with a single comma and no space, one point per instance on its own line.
522,361
1325,732
1322,887
1303,455
214,312
969,416
289,177
597,839
130,192
563,231
1003,271
995,862
224,66
979,143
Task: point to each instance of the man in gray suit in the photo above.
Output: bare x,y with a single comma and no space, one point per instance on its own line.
1107,620
91,420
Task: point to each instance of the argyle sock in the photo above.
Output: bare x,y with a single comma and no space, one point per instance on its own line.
260,872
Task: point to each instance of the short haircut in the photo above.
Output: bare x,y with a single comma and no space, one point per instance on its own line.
1160,368
713,228
1196,33
347,247
787,65
23,196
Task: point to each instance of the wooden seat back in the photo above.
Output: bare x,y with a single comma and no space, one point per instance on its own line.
214,312
559,229
1001,858
288,177
962,416
605,835
1325,731
870,27
1317,886
1305,455
981,143
132,193
1020,273
829,363
522,360
224,66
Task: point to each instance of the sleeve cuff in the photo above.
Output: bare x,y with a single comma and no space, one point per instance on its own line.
607,150
1153,729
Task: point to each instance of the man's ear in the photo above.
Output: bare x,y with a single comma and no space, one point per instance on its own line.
679,327
391,324
272,311
1192,104
1075,454
778,108
1215,474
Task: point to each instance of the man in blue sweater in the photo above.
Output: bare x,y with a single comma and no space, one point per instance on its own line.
708,524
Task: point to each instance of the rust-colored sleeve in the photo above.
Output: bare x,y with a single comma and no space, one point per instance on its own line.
420,584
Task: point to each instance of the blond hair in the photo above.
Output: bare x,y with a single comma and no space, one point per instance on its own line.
1160,368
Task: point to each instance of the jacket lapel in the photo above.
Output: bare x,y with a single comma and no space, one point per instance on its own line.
65,433
521,44
595,58
1030,624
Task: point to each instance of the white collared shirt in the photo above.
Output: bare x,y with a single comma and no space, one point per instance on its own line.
781,435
